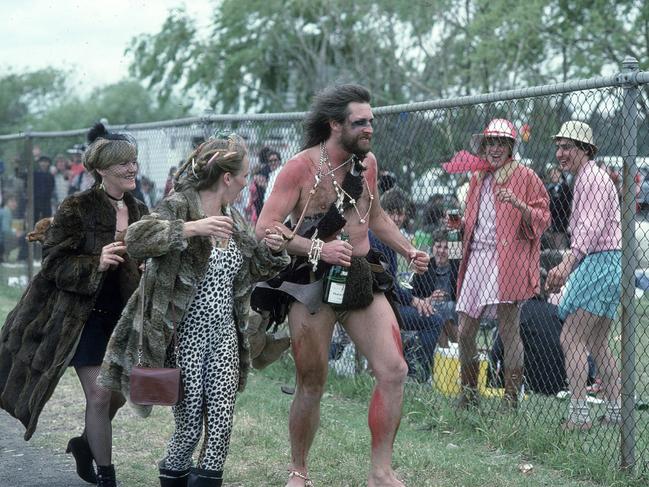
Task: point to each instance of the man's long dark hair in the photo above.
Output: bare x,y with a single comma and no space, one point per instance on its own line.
330,104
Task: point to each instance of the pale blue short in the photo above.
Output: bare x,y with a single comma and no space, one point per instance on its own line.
594,286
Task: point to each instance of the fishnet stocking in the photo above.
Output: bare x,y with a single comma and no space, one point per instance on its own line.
101,407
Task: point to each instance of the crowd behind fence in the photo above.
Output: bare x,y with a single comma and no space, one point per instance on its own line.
410,142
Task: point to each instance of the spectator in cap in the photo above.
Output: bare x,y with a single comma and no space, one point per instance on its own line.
590,273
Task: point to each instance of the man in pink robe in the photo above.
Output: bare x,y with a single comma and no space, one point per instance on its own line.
507,211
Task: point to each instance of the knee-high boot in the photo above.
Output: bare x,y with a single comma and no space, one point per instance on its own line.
199,477
469,371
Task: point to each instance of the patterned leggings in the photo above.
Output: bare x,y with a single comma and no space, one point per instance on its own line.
210,371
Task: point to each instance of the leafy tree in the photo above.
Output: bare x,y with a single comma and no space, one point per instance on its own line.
29,94
126,101
272,55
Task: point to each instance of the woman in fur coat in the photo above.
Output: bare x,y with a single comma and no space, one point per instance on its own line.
202,259
70,308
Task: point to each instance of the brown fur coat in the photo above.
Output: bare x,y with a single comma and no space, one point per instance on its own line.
41,333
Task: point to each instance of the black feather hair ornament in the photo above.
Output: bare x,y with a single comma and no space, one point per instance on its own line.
98,130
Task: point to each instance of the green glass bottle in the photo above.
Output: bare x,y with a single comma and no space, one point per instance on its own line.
454,237
336,280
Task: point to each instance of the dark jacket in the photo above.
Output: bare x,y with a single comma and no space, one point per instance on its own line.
41,333
424,284
560,205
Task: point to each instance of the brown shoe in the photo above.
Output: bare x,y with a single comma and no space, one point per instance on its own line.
469,397
513,382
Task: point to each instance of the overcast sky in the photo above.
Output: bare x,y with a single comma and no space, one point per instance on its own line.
89,36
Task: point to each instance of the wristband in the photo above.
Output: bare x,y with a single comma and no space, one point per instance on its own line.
314,252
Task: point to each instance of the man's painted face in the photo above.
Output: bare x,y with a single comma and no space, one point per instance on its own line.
356,135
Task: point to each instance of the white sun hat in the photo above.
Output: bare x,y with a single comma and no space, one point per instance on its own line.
577,131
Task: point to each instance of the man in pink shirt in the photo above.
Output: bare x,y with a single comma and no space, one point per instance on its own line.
591,272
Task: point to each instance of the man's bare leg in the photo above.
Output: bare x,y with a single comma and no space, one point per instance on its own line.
310,339
375,332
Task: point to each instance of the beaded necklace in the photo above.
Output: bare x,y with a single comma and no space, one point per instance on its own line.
340,192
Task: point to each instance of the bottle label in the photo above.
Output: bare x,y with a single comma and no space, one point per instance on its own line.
336,293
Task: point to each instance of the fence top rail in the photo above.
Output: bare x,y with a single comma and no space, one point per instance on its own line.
620,79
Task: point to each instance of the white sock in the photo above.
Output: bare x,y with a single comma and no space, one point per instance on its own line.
578,411
613,411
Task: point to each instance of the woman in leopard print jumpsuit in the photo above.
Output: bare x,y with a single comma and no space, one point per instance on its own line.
208,338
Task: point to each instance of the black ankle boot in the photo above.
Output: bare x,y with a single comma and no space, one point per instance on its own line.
82,454
172,478
205,478
106,476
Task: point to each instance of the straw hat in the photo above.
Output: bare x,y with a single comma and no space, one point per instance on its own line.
577,131
498,127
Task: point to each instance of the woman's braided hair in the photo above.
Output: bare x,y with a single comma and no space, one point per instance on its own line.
209,161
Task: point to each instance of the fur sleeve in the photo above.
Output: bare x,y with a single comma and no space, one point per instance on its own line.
62,263
158,233
263,263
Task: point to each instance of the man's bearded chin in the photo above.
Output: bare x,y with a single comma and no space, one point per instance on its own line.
351,145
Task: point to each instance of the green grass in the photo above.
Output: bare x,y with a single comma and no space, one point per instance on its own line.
259,453
436,446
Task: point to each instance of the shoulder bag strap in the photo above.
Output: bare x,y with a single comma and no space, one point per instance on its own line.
173,320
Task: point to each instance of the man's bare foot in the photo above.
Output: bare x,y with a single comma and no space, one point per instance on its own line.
384,479
297,478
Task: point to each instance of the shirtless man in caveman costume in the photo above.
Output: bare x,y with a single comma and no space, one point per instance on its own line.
338,127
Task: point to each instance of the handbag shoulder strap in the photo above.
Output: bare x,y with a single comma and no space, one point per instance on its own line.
173,320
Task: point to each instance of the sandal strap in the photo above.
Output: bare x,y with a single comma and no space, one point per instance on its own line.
304,476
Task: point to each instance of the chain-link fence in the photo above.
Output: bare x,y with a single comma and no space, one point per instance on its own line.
580,358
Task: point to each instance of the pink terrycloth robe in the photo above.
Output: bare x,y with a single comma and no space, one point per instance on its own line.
518,244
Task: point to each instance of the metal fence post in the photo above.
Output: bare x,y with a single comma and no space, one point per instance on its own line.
29,207
629,144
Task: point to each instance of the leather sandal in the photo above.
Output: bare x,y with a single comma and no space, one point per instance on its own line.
307,481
